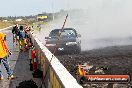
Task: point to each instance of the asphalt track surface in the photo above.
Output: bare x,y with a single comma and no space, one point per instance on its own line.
118,59
19,62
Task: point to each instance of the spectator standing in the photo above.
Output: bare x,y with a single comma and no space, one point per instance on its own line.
22,38
4,52
15,32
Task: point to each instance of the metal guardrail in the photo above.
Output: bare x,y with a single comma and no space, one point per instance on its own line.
57,75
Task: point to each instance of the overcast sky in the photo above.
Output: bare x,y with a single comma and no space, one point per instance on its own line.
33,7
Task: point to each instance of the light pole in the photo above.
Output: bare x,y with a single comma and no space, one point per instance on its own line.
52,6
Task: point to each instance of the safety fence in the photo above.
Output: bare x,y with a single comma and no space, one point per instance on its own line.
55,75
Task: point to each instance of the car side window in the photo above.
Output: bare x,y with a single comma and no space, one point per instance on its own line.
54,33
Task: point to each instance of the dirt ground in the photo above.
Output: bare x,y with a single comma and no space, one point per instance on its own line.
117,58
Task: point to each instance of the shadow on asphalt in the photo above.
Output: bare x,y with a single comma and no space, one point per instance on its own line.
22,71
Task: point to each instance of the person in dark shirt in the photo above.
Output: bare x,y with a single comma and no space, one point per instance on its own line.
22,38
15,31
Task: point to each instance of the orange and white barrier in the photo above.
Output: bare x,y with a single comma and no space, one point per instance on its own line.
34,60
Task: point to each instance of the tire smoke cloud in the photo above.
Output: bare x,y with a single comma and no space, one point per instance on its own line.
101,23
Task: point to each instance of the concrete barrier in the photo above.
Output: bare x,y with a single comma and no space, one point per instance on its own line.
55,75
7,28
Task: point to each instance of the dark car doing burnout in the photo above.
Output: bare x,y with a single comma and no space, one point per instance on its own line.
66,40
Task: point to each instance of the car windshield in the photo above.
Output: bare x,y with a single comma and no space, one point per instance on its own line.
54,33
66,32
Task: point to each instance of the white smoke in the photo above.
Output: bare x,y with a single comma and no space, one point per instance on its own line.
100,22
104,23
